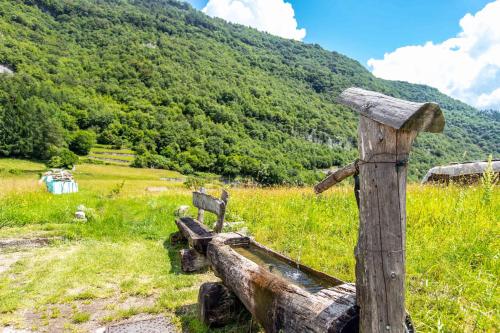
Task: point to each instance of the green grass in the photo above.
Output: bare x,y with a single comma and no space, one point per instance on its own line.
113,157
106,149
121,253
15,166
81,317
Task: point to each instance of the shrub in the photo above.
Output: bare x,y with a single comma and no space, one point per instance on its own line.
81,317
194,183
82,142
148,160
63,158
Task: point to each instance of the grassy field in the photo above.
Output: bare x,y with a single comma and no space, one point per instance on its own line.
108,155
118,264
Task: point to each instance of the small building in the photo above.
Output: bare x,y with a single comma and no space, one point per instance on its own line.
461,173
59,181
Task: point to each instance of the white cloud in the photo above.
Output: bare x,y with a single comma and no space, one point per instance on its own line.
274,16
466,67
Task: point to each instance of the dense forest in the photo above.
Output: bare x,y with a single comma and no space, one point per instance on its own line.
195,94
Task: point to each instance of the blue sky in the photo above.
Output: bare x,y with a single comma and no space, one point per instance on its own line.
452,45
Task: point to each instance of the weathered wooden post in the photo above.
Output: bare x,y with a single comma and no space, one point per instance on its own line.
387,129
201,211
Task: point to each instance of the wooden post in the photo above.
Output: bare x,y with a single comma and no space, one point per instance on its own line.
387,129
201,212
218,306
220,217
193,261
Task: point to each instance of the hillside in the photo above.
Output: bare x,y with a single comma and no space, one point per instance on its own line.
192,93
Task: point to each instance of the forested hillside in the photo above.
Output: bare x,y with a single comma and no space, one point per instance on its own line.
192,93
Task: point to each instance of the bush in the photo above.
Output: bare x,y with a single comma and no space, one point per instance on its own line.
194,183
82,142
64,158
148,160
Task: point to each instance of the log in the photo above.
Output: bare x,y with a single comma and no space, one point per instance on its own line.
197,234
193,261
393,112
177,238
218,306
386,131
336,177
278,305
380,270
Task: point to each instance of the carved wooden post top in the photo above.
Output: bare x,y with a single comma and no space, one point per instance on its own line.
393,112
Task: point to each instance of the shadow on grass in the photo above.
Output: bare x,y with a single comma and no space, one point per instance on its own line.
191,323
173,249
189,313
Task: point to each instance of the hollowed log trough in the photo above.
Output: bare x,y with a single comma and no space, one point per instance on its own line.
281,294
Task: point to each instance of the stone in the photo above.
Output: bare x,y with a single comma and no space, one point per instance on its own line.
79,215
181,211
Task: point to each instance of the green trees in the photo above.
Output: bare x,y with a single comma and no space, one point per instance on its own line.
28,125
81,142
195,94
62,158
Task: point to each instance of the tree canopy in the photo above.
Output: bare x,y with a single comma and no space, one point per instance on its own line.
196,94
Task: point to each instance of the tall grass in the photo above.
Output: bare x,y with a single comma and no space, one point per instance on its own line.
452,243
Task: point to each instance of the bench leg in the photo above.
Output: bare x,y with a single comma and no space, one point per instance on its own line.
192,261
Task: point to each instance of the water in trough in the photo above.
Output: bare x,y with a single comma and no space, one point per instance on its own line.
284,269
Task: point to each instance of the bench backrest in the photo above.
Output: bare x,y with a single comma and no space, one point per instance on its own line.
205,202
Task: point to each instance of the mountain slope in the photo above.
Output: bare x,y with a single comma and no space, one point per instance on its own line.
193,93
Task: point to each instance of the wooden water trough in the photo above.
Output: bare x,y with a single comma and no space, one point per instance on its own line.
285,296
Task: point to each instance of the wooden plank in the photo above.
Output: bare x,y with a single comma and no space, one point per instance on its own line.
336,177
394,112
207,202
197,234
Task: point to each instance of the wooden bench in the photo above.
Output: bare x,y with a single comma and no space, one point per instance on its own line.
197,234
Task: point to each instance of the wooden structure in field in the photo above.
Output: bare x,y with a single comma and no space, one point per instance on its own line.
285,296
198,234
461,173
387,128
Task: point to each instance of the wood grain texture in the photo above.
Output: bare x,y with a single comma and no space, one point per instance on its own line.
335,177
220,218
209,203
276,304
380,253
394,112
193,261
177,238
219,306
197,234
201,211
